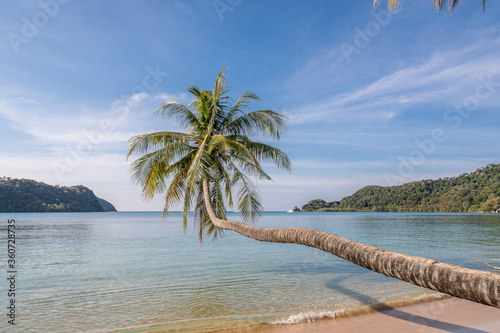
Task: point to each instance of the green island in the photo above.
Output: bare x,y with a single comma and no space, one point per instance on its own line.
478,191
26,195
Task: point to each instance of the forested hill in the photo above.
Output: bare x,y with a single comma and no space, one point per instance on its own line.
25,195
469,192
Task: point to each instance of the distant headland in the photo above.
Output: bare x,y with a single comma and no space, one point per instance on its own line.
478,191
26,195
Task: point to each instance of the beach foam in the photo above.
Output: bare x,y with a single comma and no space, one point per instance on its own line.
312,316
305,317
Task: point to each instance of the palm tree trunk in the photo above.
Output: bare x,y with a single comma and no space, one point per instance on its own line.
474,285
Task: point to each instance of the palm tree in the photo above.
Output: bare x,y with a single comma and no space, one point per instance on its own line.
216,148
216,156
439,4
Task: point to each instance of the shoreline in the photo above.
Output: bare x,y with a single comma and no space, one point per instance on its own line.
428,313
432,313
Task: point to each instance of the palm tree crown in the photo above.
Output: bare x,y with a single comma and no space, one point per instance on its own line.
216,147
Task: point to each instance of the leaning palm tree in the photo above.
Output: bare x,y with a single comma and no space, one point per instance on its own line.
216,149
438,4
216,157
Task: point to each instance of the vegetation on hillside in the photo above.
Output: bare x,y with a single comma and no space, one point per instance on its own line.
25,195
469,192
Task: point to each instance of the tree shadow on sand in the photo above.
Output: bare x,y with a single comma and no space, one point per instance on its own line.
336,284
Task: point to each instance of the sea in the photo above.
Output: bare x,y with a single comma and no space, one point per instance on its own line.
134,272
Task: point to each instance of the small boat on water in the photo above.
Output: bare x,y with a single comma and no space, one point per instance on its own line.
290,211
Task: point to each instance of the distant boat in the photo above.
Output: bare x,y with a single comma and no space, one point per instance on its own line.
290,210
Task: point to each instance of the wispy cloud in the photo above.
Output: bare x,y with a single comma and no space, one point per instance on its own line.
442,79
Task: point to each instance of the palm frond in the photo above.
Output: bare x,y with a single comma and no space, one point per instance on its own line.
237,152
201,218
265,152
146,142
438,4
200,164
220,87
226,180
391,6
188,199
249,202
178,185
267,122
148,171
239,108
181,114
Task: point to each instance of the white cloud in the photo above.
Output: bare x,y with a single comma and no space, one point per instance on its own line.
183,98
136,98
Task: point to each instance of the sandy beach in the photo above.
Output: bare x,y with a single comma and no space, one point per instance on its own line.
448,314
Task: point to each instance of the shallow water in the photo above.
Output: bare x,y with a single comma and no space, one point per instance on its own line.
127,271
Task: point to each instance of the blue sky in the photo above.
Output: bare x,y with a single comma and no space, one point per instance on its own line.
372,99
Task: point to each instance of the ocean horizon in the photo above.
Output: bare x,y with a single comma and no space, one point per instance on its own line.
134,272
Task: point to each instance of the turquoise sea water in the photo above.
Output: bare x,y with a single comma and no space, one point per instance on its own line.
129,271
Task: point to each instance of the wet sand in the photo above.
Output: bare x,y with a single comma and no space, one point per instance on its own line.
448,314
